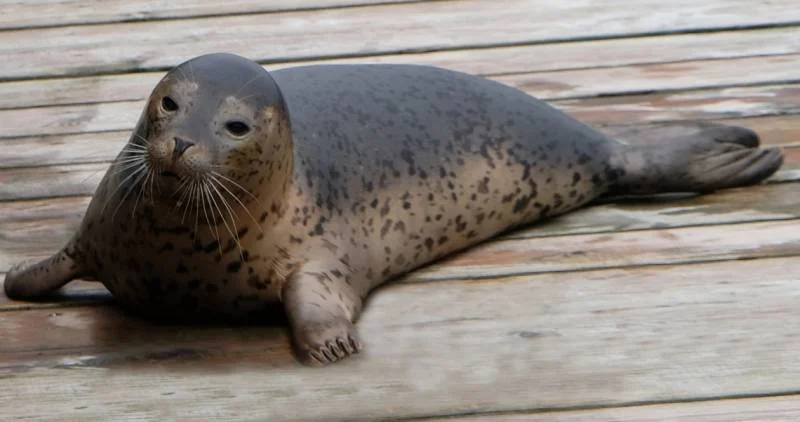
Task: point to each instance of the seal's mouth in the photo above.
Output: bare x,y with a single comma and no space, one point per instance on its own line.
169,174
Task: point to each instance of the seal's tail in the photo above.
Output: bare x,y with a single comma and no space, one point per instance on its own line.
714,157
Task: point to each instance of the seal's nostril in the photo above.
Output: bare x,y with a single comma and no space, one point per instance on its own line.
180,147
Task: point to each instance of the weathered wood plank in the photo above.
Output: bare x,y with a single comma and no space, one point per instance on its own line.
425,26
705,103
762,409
702,104
534,342
658,77
101,147
749,204
481,61
609,250
35,182
18,14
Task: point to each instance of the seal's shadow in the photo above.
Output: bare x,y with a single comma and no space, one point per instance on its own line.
123,340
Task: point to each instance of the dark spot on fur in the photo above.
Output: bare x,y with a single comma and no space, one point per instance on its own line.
576,177
234,266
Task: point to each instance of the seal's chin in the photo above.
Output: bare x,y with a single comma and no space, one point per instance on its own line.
169,184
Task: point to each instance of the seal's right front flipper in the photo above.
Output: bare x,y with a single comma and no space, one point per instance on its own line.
322,308
718,157
28,280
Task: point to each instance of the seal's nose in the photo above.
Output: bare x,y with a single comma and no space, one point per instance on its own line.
180,147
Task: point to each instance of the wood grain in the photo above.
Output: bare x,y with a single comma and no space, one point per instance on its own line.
122,47
102,147
708,103
580,339
18,14
481,61
626,249
657,78
701,104
762,409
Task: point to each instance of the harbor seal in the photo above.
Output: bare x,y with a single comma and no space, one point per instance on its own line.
305,188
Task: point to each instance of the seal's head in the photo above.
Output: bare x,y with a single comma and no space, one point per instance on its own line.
214,125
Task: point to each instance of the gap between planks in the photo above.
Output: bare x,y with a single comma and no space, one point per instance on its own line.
426,26
778,408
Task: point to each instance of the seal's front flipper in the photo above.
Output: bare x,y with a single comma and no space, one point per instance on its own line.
29,280
717,157
321,309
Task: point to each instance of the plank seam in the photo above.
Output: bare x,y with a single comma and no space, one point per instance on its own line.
433,48
589,407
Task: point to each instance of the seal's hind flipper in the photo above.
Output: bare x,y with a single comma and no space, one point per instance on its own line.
715,157
29,280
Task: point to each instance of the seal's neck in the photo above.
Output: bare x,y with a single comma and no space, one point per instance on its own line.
271,182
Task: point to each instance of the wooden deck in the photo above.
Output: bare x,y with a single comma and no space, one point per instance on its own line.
639,311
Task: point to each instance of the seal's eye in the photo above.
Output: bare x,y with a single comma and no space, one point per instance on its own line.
168,104
237,128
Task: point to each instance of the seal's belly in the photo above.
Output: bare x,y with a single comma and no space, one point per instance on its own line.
167,275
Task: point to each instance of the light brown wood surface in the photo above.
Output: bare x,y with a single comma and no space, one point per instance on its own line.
636,310
762,409
39,13
524,59
369,31
579,339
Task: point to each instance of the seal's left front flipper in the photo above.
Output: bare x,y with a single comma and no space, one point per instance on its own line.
29,280
718,157
322,309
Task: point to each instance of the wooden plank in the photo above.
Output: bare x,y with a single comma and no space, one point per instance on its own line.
625,249
750,204
36,182
102,147
708,104
18,14
762,409
705,103
535,342
659,77
425,26
482,61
